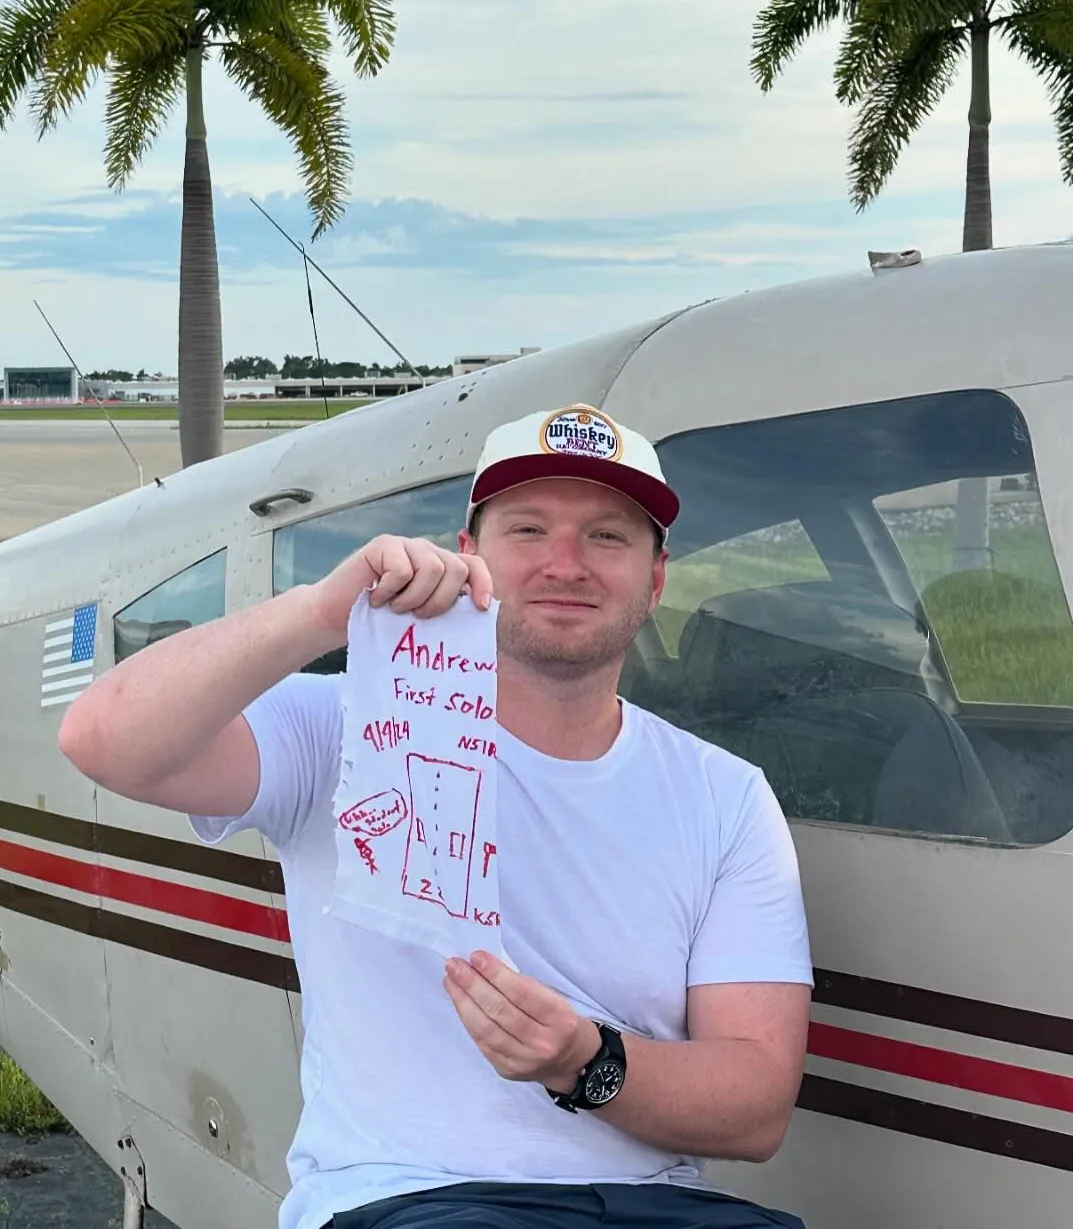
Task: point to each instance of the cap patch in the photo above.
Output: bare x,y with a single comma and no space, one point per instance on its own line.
581,432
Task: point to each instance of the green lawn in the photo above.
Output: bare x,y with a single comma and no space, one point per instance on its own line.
1006,633
24,1110
257,411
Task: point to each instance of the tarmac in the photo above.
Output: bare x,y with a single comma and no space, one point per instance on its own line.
50,468
59,1182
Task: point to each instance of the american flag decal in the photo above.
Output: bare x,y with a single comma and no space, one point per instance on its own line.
67,659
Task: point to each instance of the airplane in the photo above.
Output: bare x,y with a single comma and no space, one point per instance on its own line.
868,596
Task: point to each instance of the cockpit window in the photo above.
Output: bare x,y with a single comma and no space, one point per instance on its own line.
865,603
760,559
306,551
193,596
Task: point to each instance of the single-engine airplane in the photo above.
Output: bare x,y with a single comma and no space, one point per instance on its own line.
868,597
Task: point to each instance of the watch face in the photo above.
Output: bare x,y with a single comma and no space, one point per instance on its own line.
604,1082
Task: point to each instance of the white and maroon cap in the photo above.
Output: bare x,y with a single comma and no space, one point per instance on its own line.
576,442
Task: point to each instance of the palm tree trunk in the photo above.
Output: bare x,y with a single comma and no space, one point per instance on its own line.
201,361
976,235
972,546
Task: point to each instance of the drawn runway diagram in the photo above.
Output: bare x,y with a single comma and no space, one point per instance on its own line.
443,830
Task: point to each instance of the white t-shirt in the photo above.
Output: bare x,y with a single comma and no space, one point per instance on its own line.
664,864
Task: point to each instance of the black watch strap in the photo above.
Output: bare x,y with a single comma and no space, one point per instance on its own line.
601,1078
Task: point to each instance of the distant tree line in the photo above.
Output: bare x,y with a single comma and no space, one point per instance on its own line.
294,367
116,375
308,366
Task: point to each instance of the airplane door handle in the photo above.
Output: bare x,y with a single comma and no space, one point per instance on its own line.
262,506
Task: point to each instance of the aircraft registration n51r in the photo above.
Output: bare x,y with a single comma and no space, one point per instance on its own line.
868,597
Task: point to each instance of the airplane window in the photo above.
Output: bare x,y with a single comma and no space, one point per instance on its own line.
865,603
306,551
774,555
994,596
195,595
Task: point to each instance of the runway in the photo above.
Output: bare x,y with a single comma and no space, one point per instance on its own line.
49,468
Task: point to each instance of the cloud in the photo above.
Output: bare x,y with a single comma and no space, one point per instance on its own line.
142,241
590,96
525,173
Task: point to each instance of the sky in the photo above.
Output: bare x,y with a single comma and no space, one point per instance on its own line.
527,173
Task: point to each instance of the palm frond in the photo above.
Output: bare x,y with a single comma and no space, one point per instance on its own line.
223,15
90,34
1055,65
1047,22
885,30
781,28
368,29
897,102
141,95
301,22
917,16
25,32
866,48
305,27
298,95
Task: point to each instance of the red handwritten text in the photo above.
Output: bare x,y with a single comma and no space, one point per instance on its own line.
389,733
466,743
479,709
376,815
366,850
412,695
490,917
435,657
489,854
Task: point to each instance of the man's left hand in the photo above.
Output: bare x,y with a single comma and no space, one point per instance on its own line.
525,1030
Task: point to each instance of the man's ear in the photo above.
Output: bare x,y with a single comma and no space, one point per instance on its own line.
659,577
467,543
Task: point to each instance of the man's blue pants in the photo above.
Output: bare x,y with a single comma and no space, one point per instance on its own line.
502,1205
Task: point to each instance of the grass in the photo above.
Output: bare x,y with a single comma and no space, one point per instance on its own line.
246,411
1005,639
24,1109
1006,633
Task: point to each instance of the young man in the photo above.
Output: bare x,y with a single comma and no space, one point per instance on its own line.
649,889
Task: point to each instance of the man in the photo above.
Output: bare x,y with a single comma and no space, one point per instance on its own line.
648,885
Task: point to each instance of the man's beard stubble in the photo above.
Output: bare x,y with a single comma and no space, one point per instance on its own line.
543,652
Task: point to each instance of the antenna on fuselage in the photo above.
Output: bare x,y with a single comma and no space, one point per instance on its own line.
100,404
346,298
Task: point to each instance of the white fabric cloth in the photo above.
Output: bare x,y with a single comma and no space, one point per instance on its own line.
623,881
416,804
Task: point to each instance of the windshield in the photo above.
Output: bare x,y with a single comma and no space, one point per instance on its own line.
865,602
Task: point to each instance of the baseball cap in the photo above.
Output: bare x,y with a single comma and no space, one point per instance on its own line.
577,441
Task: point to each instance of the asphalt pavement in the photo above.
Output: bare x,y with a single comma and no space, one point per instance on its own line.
59,1182
50,468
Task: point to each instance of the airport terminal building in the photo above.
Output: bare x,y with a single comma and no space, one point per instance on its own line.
48,385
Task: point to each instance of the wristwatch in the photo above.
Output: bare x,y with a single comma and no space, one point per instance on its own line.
601,1079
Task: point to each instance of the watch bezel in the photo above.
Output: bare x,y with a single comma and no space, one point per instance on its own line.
609,1063
611,1054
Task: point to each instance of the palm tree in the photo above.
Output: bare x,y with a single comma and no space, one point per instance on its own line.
152,53
896,60
895,63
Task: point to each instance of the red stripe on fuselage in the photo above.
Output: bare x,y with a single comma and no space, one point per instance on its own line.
197,904
920,1062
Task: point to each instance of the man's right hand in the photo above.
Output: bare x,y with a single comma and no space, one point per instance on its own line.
410,574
